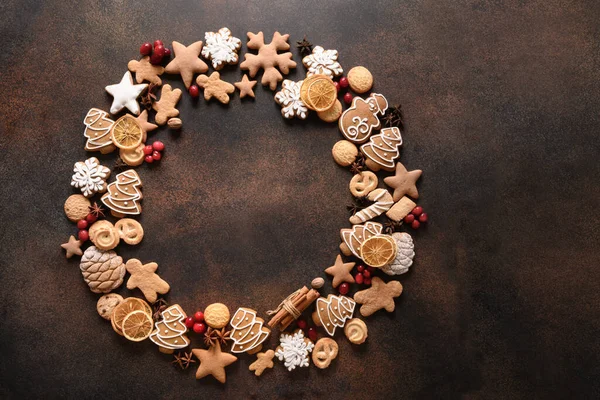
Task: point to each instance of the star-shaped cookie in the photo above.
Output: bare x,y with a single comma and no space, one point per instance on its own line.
263,361
146,126
214,87
379,295
125,94
165,107
73,247
340,271
404,182
213,362
245,86
145,71
186,62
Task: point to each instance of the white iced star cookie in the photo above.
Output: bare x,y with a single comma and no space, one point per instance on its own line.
125,94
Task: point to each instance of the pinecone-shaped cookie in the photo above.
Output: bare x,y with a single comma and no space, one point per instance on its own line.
103,271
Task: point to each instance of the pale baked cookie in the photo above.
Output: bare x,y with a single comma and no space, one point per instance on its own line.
90,177
133,157
77,207
325,351
289,100
72,247
333,114
363,183
344,153
356,331
143,276
216,315
107,303
130,231
221,48
125,94
268,59
215,87
401,209
360,79
324,62
186,62
104,235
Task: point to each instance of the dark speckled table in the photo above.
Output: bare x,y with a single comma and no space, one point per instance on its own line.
501,106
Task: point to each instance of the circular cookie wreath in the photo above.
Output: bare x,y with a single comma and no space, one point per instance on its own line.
371,142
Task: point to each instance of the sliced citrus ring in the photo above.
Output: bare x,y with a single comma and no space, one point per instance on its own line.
127,133
304,88
318,92
137,326
378,250
126,307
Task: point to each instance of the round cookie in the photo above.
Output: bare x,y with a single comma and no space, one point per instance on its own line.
107,303
133,157
333,114
104,235
77,207
362,184
324,352
356,331
130,231
344,152
360,79
216,315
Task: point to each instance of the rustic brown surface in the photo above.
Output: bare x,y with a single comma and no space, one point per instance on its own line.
501,104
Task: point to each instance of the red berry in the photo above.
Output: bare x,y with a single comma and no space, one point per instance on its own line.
301,324
367,281
156,58
158,145
312,334
148,149
337,86
418,210
199,327
423,217
409,218
344,82
189,322
367,274
160,50
158,43
149,159
83,235
156,155
360,268
199,316
415,224
348,98
146,49
359,278
167,52
194,91
82,224
344,288
91,218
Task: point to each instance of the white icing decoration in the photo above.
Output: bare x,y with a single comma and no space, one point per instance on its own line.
125,94
289,100
350,235
97,138
294,350
383,202
324,62
221,48
89,176
404,257
173,315
332,317
116,188
378,146
249,330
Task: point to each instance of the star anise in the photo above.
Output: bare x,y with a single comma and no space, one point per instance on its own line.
358,165
120,164
96,210
359,204
148,97
212,336
388,120
394,117
353,208
183,359
304,46
158,307
392,226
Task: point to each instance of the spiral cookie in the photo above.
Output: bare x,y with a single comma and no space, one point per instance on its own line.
325,351
362,184
130,230
104,235
356,331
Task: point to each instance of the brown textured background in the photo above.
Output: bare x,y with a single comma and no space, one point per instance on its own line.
501,105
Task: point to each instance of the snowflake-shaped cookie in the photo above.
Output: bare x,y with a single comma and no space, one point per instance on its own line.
289,100
294,350
324,62
221,48
90,176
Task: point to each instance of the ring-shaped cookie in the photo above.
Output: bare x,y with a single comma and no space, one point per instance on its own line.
362,184
104,235
130,230
325,351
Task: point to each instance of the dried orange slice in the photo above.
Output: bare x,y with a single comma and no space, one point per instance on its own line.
126,307
127,133
378,250
318,92
304,88
137,326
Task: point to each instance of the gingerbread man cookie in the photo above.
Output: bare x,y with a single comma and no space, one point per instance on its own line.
263,361
165,107
145,71
144,278
214,87
379,295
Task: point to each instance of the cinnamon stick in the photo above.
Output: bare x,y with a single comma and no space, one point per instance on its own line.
307,300
283,313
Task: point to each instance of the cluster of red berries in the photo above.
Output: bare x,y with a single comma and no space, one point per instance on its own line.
363,276
157,53
416,217
343,84
196,323
153,152
311,331
83,225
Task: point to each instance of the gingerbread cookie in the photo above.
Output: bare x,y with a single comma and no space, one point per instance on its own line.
332,312
245,86
354,238
268,59
170,331
104,235
263,361
325,351
221,48
107,303
404,182
103,271
90,177
124,194
382,202
363,183
77,207
340,272
186,62
143,277
145,71
294,350
142,120
213,362
360,79
216,315
248,331
379,295
383,149
72,247
323,62
289,100
356,331
97,131
358,121
130,231
214,87
165,107
125,94
401,209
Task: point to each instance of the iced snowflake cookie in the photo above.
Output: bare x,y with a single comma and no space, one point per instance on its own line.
221,48
289,100
324,62
294,349
90,177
